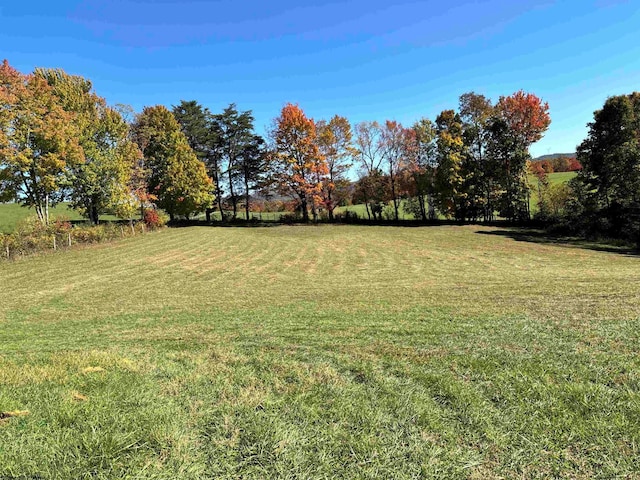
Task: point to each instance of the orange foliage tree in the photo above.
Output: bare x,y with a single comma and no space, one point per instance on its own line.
522,119
336,146
296,162
38,141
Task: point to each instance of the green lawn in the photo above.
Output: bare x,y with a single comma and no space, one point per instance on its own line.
561,177
321,352
12,213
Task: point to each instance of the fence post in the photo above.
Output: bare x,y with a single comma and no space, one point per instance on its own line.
69,238
55,247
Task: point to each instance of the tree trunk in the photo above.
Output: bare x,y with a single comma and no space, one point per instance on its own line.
303,207
246,194
431,206
234,200
46,210
366,206
93,213
216,178
423,212
40,213
393,194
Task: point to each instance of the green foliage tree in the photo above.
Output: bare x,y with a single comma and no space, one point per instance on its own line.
202,133
475,113
240,150
251,168
177,177
421,167
449,179
102,182
610,156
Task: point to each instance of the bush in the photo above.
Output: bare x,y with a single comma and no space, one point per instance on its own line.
154,219
31,236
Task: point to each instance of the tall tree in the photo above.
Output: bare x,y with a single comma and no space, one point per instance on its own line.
449,174
176,177
296,160
610,156
421,167
202,133
396,142
475,113
520,120
101,183
38,141
369,155
250,168
335,143
235,142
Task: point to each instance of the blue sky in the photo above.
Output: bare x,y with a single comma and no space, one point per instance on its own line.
366,60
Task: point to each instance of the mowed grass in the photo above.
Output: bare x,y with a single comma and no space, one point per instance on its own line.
321,352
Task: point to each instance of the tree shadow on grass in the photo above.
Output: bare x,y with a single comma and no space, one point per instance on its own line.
298,222
542,237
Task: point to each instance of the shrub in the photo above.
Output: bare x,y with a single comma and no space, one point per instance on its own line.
31,236
154,219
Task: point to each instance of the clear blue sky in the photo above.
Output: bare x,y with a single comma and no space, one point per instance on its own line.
364,59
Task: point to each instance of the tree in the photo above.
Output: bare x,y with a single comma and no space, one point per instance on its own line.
519,120
335,144
610,157
475,113
422,162
296,159
176,177
251,167
395,142
450,193
198,125
371,189
101,183
369,155
238,148
38,141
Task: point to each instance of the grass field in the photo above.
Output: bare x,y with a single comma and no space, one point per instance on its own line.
321,352
12,213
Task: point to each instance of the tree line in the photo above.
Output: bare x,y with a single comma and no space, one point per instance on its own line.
60,141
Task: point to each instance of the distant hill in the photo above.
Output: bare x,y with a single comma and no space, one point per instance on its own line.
553,156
